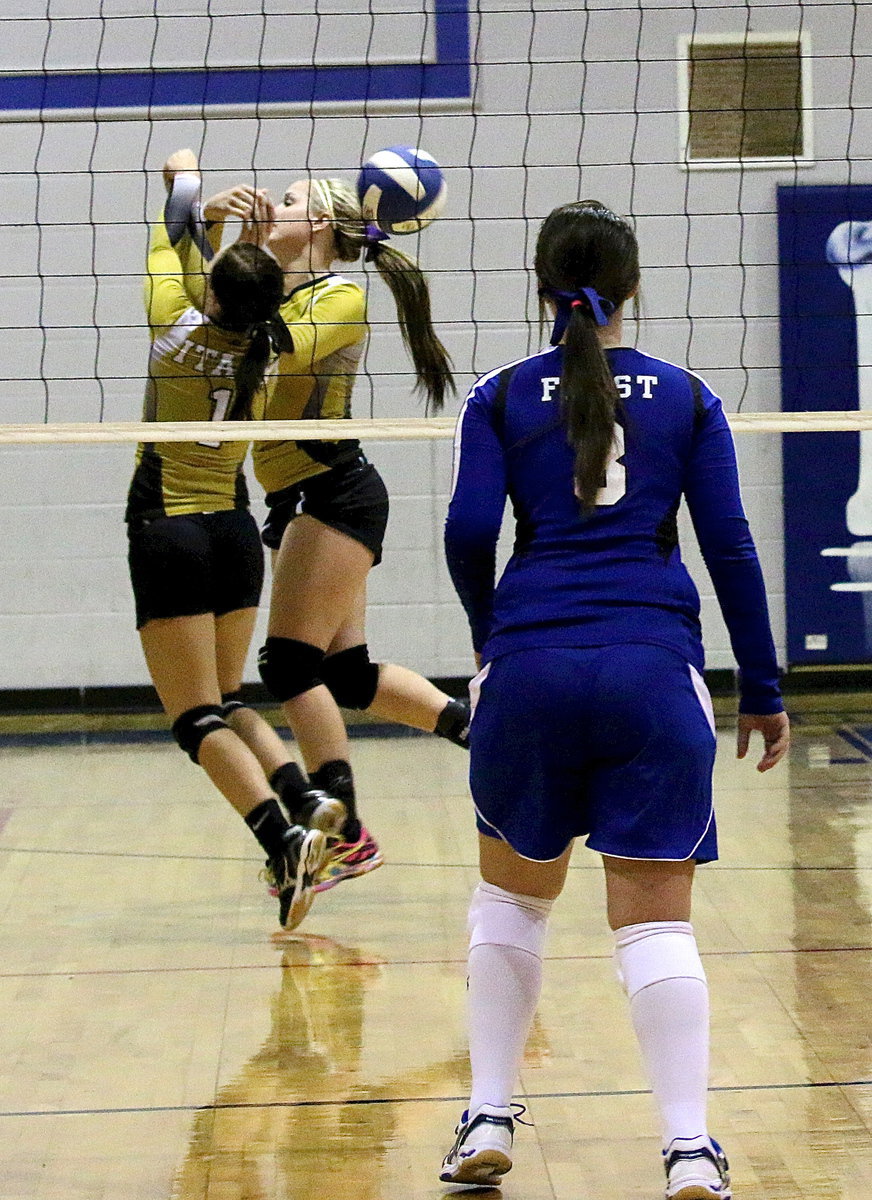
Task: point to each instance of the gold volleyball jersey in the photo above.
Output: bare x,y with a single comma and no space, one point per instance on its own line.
190,378
327,320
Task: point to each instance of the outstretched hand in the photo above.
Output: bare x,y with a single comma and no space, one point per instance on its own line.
239,201
180,161
259,223
775,729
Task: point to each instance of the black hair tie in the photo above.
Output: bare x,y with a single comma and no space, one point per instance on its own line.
278,333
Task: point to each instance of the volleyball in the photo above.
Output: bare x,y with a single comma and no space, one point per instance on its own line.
401,189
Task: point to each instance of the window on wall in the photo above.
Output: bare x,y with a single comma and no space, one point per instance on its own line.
745,99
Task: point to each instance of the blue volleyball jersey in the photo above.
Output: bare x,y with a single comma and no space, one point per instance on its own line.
615,574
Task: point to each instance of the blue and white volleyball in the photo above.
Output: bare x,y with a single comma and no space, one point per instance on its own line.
401,189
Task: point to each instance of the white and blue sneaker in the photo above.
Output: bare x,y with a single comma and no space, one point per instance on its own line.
482,1152
696,1169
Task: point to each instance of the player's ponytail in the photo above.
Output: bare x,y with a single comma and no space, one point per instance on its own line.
404,277
248,285
587,264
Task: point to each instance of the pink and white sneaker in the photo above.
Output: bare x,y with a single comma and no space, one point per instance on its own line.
347,859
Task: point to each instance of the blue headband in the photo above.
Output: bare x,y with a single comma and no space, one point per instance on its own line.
587,299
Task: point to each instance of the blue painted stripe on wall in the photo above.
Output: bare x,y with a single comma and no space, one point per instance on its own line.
447,78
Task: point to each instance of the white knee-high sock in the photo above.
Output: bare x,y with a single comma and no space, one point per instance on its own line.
506,942
659,966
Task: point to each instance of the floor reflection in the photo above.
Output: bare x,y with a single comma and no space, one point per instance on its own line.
301,1119
830,829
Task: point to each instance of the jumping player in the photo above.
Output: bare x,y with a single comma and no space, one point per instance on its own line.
328,506
196,562
592,719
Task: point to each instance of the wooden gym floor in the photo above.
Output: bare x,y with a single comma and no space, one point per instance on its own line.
158,1040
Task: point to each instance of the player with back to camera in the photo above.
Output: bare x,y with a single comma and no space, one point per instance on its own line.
196,561
328,506
591,717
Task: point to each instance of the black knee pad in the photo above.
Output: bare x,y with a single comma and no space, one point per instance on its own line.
197,723
231,702
351,677
288,667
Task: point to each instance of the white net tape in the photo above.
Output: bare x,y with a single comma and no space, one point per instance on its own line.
396,430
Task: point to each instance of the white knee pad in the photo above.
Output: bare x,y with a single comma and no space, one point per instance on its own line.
654,951
500,918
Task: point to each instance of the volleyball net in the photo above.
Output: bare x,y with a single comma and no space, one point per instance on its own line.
734,134
698,121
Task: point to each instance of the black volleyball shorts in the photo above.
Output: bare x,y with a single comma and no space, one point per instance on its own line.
351,497
195,563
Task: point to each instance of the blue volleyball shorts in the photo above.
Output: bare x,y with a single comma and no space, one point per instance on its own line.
612,743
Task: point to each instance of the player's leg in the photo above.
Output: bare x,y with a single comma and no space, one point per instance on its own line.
174,563
305,804
660,969
317,573
233,633
507,924
508,920
180,653
652,819
181,656
523,774
327,534
177,568
387,690
238,571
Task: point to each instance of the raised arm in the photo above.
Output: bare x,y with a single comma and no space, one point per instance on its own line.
178,253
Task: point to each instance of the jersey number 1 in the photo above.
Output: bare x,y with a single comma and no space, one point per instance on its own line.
220,398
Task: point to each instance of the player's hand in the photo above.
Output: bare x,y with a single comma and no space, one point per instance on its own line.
775,729
236,202
178,162
259,224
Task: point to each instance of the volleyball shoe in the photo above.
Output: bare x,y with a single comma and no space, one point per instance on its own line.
291,874
313,807
319,810
696,1169
347,859
482,1151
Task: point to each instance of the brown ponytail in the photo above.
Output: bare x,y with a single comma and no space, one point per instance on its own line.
585,245
407,283
249,373
248,284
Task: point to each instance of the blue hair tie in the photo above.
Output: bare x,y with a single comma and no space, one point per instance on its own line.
587,298
374,237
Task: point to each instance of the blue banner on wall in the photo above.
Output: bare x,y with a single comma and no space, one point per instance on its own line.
825,255
164,91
